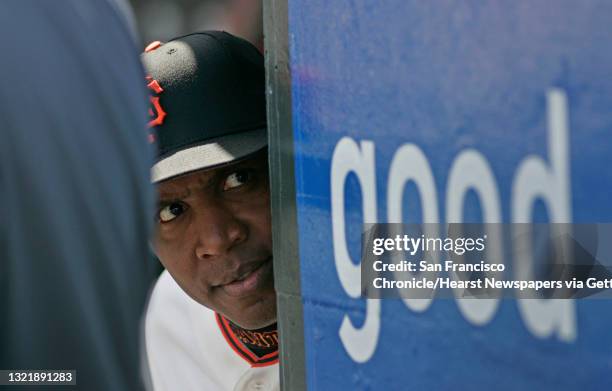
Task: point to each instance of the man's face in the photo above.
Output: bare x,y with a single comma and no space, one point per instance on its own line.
214,237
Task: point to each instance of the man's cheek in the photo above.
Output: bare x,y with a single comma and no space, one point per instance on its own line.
168,257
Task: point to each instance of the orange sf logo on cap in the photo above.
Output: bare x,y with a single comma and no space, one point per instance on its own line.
156,112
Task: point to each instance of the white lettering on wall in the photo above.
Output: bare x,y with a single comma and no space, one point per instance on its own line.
534,179
348,157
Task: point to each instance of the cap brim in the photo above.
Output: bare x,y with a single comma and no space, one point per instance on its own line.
217,151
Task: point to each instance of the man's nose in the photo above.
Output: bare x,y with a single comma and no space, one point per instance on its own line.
218,231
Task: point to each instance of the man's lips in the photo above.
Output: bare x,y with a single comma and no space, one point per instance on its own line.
248,280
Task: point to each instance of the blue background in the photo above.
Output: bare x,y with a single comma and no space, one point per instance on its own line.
446,75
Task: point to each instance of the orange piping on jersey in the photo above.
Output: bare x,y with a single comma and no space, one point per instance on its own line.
238,347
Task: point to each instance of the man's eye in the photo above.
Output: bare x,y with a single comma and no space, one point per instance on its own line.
170,212
236,179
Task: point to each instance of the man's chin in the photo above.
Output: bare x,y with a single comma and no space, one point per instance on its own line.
255,317
256,325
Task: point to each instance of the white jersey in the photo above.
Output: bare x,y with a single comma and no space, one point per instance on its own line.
189,348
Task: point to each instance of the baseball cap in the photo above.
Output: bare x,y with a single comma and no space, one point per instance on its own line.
208,103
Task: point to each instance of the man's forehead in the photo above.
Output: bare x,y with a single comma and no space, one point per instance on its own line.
182,186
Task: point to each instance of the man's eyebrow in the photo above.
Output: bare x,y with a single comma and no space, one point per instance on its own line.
165,196
202,183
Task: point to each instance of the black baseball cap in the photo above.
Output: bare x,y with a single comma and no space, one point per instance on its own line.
208,104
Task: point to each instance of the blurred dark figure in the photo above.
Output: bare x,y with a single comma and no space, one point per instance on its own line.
161,20
75,193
